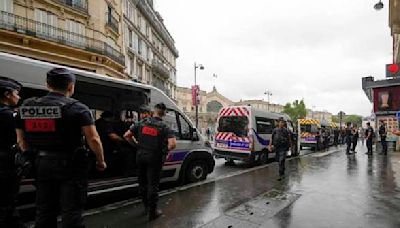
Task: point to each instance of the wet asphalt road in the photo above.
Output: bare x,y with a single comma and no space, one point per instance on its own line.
326,189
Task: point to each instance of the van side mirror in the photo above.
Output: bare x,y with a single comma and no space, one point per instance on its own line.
195,136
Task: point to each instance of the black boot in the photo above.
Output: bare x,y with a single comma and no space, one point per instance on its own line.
154,214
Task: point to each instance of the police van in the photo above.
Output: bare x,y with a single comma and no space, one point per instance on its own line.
192,159
243,133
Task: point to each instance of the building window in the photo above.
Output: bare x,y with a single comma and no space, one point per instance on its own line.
140,46
7,6
131,66
139,72
76,32
48,23
130,38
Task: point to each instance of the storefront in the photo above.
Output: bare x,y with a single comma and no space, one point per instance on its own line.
385,96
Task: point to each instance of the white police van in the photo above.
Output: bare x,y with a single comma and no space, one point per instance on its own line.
192,159
244,133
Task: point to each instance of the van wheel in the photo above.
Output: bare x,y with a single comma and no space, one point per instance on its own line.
196,171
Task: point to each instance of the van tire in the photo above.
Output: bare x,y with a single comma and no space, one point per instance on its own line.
196,171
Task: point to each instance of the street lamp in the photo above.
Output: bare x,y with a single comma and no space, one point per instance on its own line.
201,67
379,5
268,93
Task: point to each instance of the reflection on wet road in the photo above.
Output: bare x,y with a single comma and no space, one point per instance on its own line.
321,190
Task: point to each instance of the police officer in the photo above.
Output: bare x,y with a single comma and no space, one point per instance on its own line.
369,135
154,140
9,181
355,137
52,126
383,134
280,142
349,137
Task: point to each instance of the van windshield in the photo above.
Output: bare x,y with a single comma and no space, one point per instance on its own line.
309,128
234,124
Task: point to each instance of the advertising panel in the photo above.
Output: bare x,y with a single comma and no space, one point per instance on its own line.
386,100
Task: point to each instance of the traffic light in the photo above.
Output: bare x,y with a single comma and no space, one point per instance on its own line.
393,70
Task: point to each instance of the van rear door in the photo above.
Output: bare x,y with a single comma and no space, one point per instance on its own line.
233,130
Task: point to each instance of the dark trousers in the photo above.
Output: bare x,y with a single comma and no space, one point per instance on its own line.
384,146
69,196
369,146
348,143
60,188
9,189
354,145
149,171
281,158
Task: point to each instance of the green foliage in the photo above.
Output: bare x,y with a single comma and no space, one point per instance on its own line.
296,110
355,119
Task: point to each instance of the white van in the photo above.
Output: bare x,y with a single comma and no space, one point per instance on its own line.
191,161
244,133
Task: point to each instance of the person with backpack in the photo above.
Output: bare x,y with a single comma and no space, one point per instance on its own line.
369,136
280,143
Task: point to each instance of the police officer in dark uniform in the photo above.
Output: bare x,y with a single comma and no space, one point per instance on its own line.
383,134
369,135
349,137
9,181
280,142
355,137
154,139
52,126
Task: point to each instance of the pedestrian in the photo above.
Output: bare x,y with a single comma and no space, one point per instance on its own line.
208,133
154,139
9,180
280,143
52,126
355,137
336,136
369,136
383,134
362,133
349,138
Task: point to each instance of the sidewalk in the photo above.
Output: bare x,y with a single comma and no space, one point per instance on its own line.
327,189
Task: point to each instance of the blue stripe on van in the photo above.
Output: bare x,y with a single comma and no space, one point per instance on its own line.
264,142
178,155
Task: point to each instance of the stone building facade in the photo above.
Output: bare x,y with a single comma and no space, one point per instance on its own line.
85,34
149,49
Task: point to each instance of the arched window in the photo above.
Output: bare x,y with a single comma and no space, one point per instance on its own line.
214,106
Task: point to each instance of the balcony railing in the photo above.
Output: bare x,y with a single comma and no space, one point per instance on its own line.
33,28
112,22
80,5
159,68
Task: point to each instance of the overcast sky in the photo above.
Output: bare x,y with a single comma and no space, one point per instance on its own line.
316,49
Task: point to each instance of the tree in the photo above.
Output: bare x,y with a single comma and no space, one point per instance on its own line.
354,119
296,110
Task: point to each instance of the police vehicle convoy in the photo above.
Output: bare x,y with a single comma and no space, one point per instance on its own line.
243,133
191,161
316,134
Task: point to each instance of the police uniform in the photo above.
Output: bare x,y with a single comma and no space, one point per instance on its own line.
355,140
280,140
370,130
382,134
349,139
52,125
9,181
152,136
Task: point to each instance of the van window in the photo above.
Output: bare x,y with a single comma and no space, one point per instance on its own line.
309,128
264,125
184,129
235,124
171,121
